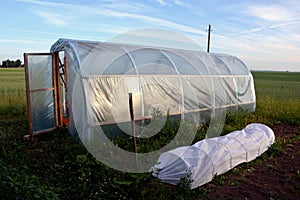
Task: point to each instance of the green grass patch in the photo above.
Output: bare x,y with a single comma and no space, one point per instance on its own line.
278,97
12,92
277,76
55,166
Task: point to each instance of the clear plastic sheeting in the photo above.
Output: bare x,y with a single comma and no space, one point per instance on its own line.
41,92
42,110
214,156
174,81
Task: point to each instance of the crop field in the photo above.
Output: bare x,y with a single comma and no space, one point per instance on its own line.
12,92
57,166
278,96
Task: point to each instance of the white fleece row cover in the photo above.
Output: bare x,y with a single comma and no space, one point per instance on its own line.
213,156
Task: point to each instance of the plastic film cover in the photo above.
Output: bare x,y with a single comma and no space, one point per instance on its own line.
172,80
213,156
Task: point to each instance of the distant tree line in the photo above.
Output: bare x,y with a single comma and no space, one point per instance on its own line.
11,63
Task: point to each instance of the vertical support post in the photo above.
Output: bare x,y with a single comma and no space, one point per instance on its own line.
54,85
66,87
58,89
29,111
59,93
133,128
208,39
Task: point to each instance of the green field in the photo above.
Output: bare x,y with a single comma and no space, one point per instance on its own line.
12,92
55,166
278,96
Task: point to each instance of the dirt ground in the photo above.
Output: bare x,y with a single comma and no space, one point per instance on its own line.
276,178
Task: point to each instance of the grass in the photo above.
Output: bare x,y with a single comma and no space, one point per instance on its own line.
276,76
278,97
55,166
12,92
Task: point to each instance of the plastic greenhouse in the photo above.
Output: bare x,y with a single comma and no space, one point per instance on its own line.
87,84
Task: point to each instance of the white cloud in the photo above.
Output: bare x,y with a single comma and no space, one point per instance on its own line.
44,3
52,18
107,10
19,41
296,21
263,35
104,28
176,2
161,2
179,3
270,13
245,32
151,20
107,4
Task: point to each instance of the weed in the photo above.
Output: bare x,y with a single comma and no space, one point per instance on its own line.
219,179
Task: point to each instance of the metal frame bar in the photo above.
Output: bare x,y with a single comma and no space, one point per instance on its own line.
165,75
171,114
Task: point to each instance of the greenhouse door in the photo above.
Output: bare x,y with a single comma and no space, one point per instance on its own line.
42,90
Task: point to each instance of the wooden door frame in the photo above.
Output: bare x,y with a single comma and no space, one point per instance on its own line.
56,93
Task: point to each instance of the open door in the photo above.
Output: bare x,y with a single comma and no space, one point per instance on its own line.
43,92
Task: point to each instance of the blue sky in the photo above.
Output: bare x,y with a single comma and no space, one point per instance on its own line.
264,34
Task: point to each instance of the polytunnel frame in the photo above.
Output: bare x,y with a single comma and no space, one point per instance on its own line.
164,52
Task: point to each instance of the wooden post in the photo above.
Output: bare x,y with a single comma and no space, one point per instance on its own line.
66,87
208,39
29,111
57,92
133,128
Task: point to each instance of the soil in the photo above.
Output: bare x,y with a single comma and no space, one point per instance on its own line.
277,177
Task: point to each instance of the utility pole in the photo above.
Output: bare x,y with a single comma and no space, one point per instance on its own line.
208,40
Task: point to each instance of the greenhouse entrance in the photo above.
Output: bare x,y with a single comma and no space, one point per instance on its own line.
45,90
